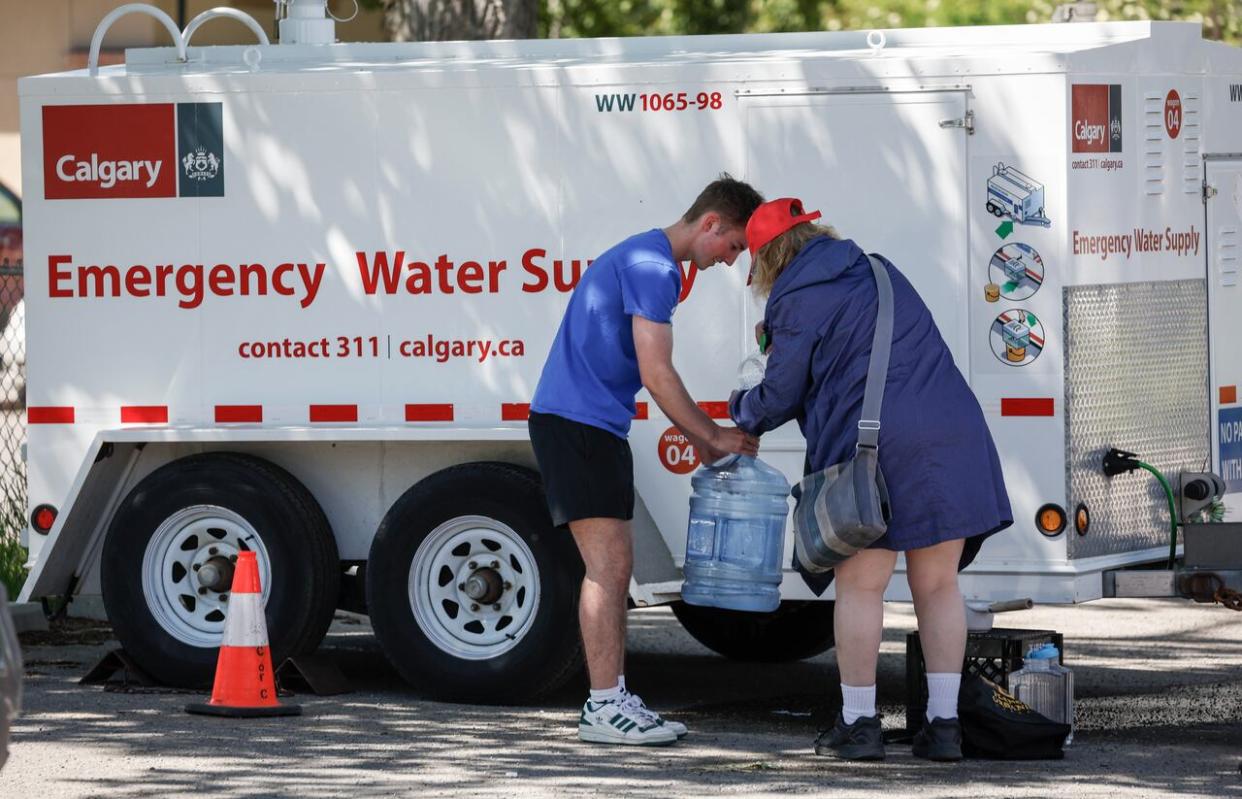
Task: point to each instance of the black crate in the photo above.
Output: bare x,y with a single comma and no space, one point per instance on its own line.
994,654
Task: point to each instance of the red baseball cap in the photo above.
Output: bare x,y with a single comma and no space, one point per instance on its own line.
772,219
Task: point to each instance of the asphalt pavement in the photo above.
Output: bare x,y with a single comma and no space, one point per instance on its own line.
1159,714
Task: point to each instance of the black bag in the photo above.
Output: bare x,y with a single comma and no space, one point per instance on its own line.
997,726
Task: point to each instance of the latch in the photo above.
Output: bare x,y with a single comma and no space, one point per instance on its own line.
968,123
1209,191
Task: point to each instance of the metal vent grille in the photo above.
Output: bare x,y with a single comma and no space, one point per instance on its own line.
1227,255
1192,164
1135,378
1153,143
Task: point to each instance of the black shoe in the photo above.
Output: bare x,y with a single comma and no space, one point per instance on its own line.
940,739
861,740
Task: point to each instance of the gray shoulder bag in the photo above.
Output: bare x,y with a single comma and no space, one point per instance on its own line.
844,508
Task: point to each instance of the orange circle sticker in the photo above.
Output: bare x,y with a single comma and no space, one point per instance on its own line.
676,452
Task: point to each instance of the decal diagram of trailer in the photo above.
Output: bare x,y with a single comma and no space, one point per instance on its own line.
1017,196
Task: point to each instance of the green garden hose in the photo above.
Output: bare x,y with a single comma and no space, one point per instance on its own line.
1168,491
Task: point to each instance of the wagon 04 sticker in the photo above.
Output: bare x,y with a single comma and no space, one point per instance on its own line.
133,151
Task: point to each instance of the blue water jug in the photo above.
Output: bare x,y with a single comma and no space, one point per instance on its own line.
736,538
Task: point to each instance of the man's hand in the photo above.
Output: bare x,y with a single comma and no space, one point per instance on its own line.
728,441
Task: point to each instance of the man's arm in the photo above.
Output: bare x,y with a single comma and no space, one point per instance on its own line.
653,344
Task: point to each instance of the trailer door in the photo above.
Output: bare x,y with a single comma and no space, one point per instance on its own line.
1224,252
885,172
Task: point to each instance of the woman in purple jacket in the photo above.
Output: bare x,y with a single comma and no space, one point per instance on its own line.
944,479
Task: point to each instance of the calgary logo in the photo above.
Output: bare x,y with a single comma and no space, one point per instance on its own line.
131,150
1095,113
201,165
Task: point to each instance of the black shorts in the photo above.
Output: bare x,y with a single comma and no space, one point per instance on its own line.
588,473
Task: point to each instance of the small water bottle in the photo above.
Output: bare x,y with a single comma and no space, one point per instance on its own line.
735,541
750,370
1046,686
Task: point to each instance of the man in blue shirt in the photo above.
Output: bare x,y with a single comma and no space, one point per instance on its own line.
616,338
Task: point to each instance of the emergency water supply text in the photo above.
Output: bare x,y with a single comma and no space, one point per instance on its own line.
379,272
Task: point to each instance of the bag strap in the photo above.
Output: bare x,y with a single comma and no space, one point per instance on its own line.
877,369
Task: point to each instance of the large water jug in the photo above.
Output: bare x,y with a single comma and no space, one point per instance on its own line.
736,539
1046,686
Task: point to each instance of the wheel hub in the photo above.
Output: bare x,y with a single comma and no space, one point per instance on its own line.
484,586
217,574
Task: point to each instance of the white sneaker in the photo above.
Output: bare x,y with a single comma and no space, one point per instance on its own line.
636,702
622,723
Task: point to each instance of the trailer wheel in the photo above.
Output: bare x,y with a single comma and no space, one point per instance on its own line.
993,209
167,562
794,631
473,594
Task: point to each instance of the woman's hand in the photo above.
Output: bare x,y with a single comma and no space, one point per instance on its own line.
728,441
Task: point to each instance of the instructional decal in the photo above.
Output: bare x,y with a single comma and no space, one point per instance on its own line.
1017,337
1016,195
1015,272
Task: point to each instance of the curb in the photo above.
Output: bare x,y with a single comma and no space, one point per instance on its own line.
28,616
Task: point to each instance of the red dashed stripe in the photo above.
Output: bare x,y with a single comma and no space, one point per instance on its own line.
427,412
334,413
715,410
230,414
1027,406
514,411
144,414
1228,395
49,414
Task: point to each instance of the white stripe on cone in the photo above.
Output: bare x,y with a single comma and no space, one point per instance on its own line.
245,625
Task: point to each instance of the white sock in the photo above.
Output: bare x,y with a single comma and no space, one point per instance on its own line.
613,694
857,701
942,691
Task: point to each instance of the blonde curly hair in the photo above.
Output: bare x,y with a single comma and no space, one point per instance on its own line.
774,256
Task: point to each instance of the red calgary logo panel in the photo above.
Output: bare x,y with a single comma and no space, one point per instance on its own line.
1095,125
95,151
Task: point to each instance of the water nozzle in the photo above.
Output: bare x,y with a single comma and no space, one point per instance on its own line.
1118,461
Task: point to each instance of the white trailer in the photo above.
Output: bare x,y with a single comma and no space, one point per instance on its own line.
295,298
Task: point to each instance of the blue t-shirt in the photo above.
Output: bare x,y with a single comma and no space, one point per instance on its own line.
591,375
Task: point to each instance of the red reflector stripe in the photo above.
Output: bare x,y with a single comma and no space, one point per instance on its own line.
442,412
1228,395
144,414
514,411
49,414
334,413
715,410
239,413
1027,406
641,412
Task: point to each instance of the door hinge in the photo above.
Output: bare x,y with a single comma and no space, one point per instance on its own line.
1209,191
967,122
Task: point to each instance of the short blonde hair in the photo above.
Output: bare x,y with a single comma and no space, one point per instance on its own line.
774,256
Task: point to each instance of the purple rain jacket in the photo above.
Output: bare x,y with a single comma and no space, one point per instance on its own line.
944,477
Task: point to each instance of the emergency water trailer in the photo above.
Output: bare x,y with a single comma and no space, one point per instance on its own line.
294,299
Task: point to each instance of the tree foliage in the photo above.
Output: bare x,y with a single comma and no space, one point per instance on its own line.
1221,19
480,19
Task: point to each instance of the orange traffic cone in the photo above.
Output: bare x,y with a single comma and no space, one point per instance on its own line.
244,684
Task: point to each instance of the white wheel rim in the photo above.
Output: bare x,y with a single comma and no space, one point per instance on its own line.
185,608
452,619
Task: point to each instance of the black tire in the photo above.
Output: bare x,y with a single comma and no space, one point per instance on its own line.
794,631
501,500
281,512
